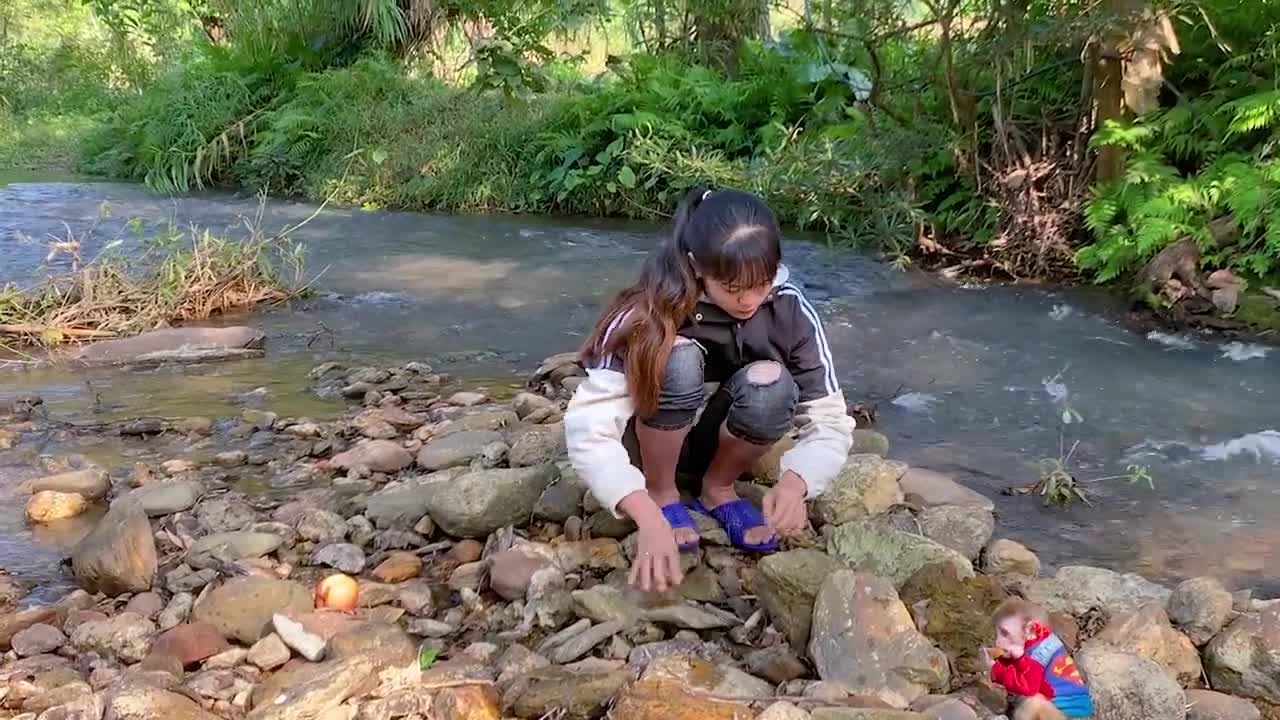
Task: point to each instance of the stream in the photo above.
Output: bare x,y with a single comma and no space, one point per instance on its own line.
971,381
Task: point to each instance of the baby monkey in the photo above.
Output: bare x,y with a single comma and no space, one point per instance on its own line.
1031,661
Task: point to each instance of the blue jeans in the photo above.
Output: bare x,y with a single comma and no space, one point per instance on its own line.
756,411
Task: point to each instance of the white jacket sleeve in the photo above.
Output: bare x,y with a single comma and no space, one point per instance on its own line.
594,423
824,438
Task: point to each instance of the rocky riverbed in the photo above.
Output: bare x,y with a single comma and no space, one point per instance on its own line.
492,585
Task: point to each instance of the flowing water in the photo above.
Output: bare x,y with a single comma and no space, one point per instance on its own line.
968,381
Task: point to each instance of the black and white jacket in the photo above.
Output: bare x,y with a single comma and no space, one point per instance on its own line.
785,329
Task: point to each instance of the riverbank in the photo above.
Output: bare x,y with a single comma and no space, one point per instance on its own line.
491,584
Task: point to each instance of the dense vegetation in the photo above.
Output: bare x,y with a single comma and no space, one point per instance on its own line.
1023,138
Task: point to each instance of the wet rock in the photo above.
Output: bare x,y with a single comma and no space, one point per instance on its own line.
1147,633
1006,557
142,702
381,456
225,514
126,636
539,445
166,498
934,488
345,557
1201,607
953,612
177,611
296,636
869,442
1244,659
777,664
455,450
869,546
511,572
37,640
398,567
259,419
401,506
479,503
321,526
864,639
1209,705
190,643
223,546
562,499
469,576
963,528
241,608
579,696
50,505
788,584
231,458
119,556
1077,589
1129,687
92,483
371,424
867,485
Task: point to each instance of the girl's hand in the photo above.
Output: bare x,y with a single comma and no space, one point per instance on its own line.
657,563
784,507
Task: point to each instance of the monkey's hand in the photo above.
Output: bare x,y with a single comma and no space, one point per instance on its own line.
985,661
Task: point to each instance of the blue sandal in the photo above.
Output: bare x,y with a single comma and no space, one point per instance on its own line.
678,515
737,517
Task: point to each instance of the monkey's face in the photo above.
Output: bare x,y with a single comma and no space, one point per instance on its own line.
1011,637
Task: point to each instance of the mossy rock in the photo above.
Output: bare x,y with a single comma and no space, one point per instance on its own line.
954,612
1259,312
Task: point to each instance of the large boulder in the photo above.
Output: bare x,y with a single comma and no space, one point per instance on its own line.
963,528
563,498
1077,589
188,344
119,556
1201,607
1244,659
1007,557
166,498
954,612
400,506
866,486
1209,705
478,503
1129,687
92,483
455,450
863,638
241,608
933,488
538,445
142,702
787,584
871,546
1147,632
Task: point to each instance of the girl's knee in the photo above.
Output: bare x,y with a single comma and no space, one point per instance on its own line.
682,392
764,403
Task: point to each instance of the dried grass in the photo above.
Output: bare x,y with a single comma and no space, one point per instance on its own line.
181,278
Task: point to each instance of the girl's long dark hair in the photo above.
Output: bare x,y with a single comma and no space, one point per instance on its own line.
733,237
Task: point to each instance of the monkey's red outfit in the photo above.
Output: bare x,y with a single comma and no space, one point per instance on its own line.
1046,668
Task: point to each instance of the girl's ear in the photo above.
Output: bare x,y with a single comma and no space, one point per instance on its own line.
694,264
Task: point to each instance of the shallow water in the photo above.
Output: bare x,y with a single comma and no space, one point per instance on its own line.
970,381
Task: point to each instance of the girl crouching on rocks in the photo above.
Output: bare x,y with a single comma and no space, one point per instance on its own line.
712,305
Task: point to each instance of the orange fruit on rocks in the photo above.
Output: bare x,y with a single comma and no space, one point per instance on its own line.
337,592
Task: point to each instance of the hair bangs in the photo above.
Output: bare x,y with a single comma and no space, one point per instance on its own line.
748,259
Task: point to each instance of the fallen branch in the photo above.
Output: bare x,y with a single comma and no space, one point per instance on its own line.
42,330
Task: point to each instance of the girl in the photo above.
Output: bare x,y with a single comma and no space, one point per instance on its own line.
712,305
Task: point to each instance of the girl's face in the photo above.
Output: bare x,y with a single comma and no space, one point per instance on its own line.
740,302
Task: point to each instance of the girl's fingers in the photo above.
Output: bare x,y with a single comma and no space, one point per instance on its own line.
673,570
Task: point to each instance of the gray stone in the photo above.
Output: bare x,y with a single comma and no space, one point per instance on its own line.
478,503
563,498
783,711
341,556
127,636
119,556
1129,687
582,643
870,546
1201,607
37,640
269,653
1147,632
383,456
241,608
92,483
177,611
867,485
864,638
1006,557
1209,705
455,450
934,488
787,584
539,445
963,528
1076,589
173,344
1244,659
207,551
402,505
555,691
869,442
292,633
225,514
321,526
